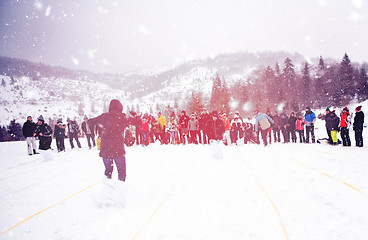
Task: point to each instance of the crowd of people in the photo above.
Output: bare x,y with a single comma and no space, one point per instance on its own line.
201,129
112,130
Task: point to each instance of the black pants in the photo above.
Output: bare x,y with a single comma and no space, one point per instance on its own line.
301,136
264,136
74,136
276,134
310,130
292,134
45,142
205,138
60,144
89,138
285,134
359,138
345,136
329,136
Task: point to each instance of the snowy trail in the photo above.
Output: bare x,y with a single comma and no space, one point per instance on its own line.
183,192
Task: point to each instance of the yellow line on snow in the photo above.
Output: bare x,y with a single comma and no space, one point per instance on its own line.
165,199
267,195
327,175
44,210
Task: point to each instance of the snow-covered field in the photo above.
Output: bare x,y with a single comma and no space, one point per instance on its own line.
284,191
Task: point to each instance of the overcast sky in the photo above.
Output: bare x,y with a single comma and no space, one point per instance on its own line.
121,36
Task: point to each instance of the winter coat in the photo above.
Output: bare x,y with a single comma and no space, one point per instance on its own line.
145,124
44,129
137,122
203,122
310,118
28,129
172,126
335,122
291,123
73,128
91,128
299,124
236,124
263,121
283,120
155,127
276,120
59,131
216,129
345,120
162,120
183,121
358,121
226,123
328,121
112,125
193,125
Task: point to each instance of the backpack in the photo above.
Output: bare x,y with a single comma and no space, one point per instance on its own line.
264,124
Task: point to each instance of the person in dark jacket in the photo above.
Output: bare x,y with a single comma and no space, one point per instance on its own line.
29,128
112,124
335,127
203,125
358,126
59,134
136,121
44,134
73,131
328,125
90,132
283,126
183,130
276,127
291,127
216,127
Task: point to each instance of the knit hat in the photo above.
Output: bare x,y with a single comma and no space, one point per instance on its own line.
41,118
346,109
59,120
328,109
358,108
308,108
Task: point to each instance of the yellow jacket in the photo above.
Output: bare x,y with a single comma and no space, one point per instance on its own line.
162,121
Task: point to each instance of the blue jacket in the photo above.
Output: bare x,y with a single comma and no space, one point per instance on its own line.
309,117
259,119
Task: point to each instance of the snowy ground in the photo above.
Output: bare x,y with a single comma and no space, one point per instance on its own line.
284,191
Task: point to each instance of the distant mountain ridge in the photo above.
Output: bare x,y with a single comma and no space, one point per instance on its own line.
82,92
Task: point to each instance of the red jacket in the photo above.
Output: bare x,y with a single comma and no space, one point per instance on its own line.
145,124
227,123
299,124
345,120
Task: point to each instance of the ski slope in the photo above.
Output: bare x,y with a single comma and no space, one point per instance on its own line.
284,191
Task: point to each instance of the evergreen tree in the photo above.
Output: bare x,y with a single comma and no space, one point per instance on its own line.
306,85
289,82
220,96
319,91
3,134
363,84
279,91
15,131
195,104
216,93
348,82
